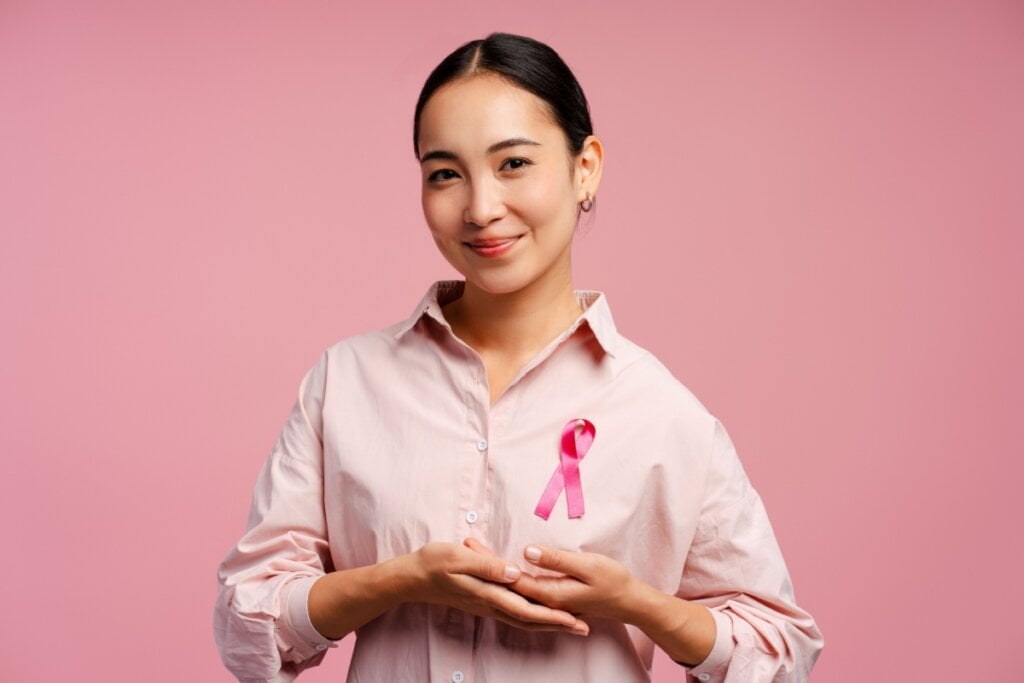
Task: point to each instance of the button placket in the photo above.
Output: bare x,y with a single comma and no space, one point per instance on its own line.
472,516
474,466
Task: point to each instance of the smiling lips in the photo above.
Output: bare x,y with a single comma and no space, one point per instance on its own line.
492,247
491,242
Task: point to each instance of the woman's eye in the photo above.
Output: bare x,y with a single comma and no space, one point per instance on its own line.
517,162
440,175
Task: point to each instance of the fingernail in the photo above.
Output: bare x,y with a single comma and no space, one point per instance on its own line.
512,572
580,630
532,553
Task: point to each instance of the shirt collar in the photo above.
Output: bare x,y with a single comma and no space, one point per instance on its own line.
596,312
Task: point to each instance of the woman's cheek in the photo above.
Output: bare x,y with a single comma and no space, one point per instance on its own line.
543,200
442,216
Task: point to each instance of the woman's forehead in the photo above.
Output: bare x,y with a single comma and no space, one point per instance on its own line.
479,111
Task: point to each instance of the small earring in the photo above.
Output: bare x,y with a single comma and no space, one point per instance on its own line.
587,203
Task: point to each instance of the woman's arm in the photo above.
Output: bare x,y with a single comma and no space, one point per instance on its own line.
284,545
735,568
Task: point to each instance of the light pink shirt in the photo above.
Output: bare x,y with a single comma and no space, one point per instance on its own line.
392,443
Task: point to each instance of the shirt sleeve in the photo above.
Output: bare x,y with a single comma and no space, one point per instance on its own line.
261,622
735,568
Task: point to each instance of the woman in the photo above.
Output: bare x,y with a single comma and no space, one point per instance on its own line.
501,487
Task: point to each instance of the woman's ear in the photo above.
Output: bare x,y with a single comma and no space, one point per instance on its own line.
589,163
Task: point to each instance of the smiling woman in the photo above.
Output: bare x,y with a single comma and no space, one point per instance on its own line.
414,495
497,196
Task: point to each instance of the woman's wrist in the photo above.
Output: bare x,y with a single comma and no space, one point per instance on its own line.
685,630
402,578
342,601
633,601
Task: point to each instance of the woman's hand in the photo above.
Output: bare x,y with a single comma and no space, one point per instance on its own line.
454,575
590,583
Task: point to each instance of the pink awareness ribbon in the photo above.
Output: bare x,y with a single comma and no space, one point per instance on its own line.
567,474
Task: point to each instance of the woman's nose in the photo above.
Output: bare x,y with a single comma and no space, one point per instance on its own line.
485,204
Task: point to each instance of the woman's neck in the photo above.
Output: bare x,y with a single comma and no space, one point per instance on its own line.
514,325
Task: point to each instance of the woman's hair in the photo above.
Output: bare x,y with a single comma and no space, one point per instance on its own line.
527,63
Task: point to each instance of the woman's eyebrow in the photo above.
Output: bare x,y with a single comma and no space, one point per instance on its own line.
496,147
511,142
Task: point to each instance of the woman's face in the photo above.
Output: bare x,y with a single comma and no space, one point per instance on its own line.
496,166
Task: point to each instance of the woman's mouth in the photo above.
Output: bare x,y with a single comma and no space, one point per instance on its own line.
492,248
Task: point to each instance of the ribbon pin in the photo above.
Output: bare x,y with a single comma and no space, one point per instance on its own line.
567,474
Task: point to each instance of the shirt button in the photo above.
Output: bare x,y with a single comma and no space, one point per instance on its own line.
704,676
481,445
457,677
471,516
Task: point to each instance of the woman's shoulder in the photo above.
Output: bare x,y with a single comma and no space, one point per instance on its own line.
662,384
371,346
363,342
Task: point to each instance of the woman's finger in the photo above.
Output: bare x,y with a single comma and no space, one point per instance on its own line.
571,563
484,566
555,591
520,608
581,628
476,545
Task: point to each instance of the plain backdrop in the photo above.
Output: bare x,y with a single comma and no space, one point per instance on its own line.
810,212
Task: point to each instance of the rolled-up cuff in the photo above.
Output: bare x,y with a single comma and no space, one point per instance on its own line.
714,665
294,626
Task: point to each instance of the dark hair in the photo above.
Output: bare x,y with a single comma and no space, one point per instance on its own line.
527,63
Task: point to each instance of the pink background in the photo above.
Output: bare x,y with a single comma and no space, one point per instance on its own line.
807,213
